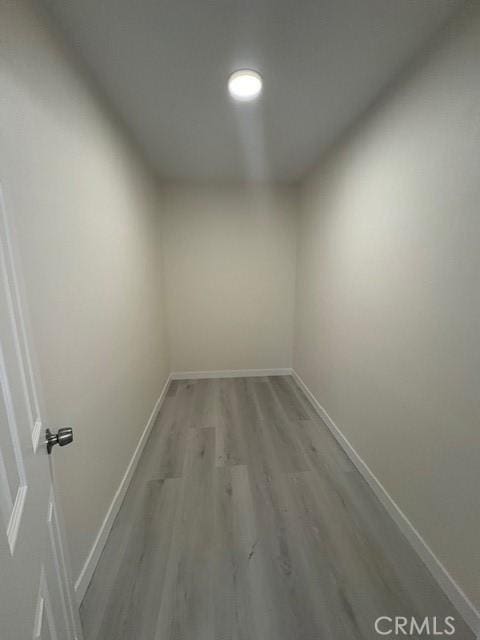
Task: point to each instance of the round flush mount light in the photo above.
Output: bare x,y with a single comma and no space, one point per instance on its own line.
245,85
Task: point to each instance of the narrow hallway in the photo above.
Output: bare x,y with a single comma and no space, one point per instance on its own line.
245,519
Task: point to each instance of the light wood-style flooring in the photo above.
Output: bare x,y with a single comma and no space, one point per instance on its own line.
245,520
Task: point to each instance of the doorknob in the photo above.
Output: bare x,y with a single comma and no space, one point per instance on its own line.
63,437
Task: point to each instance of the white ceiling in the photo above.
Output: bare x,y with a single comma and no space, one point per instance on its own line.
164,64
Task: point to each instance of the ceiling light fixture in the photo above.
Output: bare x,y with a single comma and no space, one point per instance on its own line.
245,85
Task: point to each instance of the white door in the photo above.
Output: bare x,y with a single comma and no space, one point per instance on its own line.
36,595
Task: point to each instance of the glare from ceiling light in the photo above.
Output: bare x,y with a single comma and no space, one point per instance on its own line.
245,85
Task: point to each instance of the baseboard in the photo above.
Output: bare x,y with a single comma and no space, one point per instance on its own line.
229,373
448,585
88,568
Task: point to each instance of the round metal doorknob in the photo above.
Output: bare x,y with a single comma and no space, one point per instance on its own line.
63,437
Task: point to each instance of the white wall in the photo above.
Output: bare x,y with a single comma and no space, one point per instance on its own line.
388,297
229,259
85,212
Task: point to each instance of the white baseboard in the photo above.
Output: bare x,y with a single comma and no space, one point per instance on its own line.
452,590
229,373
88,568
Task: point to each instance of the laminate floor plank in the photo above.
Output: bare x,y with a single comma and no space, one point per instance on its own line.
242,607
245,520
277,428
186,397
230,441
186,608
204,406
135,595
